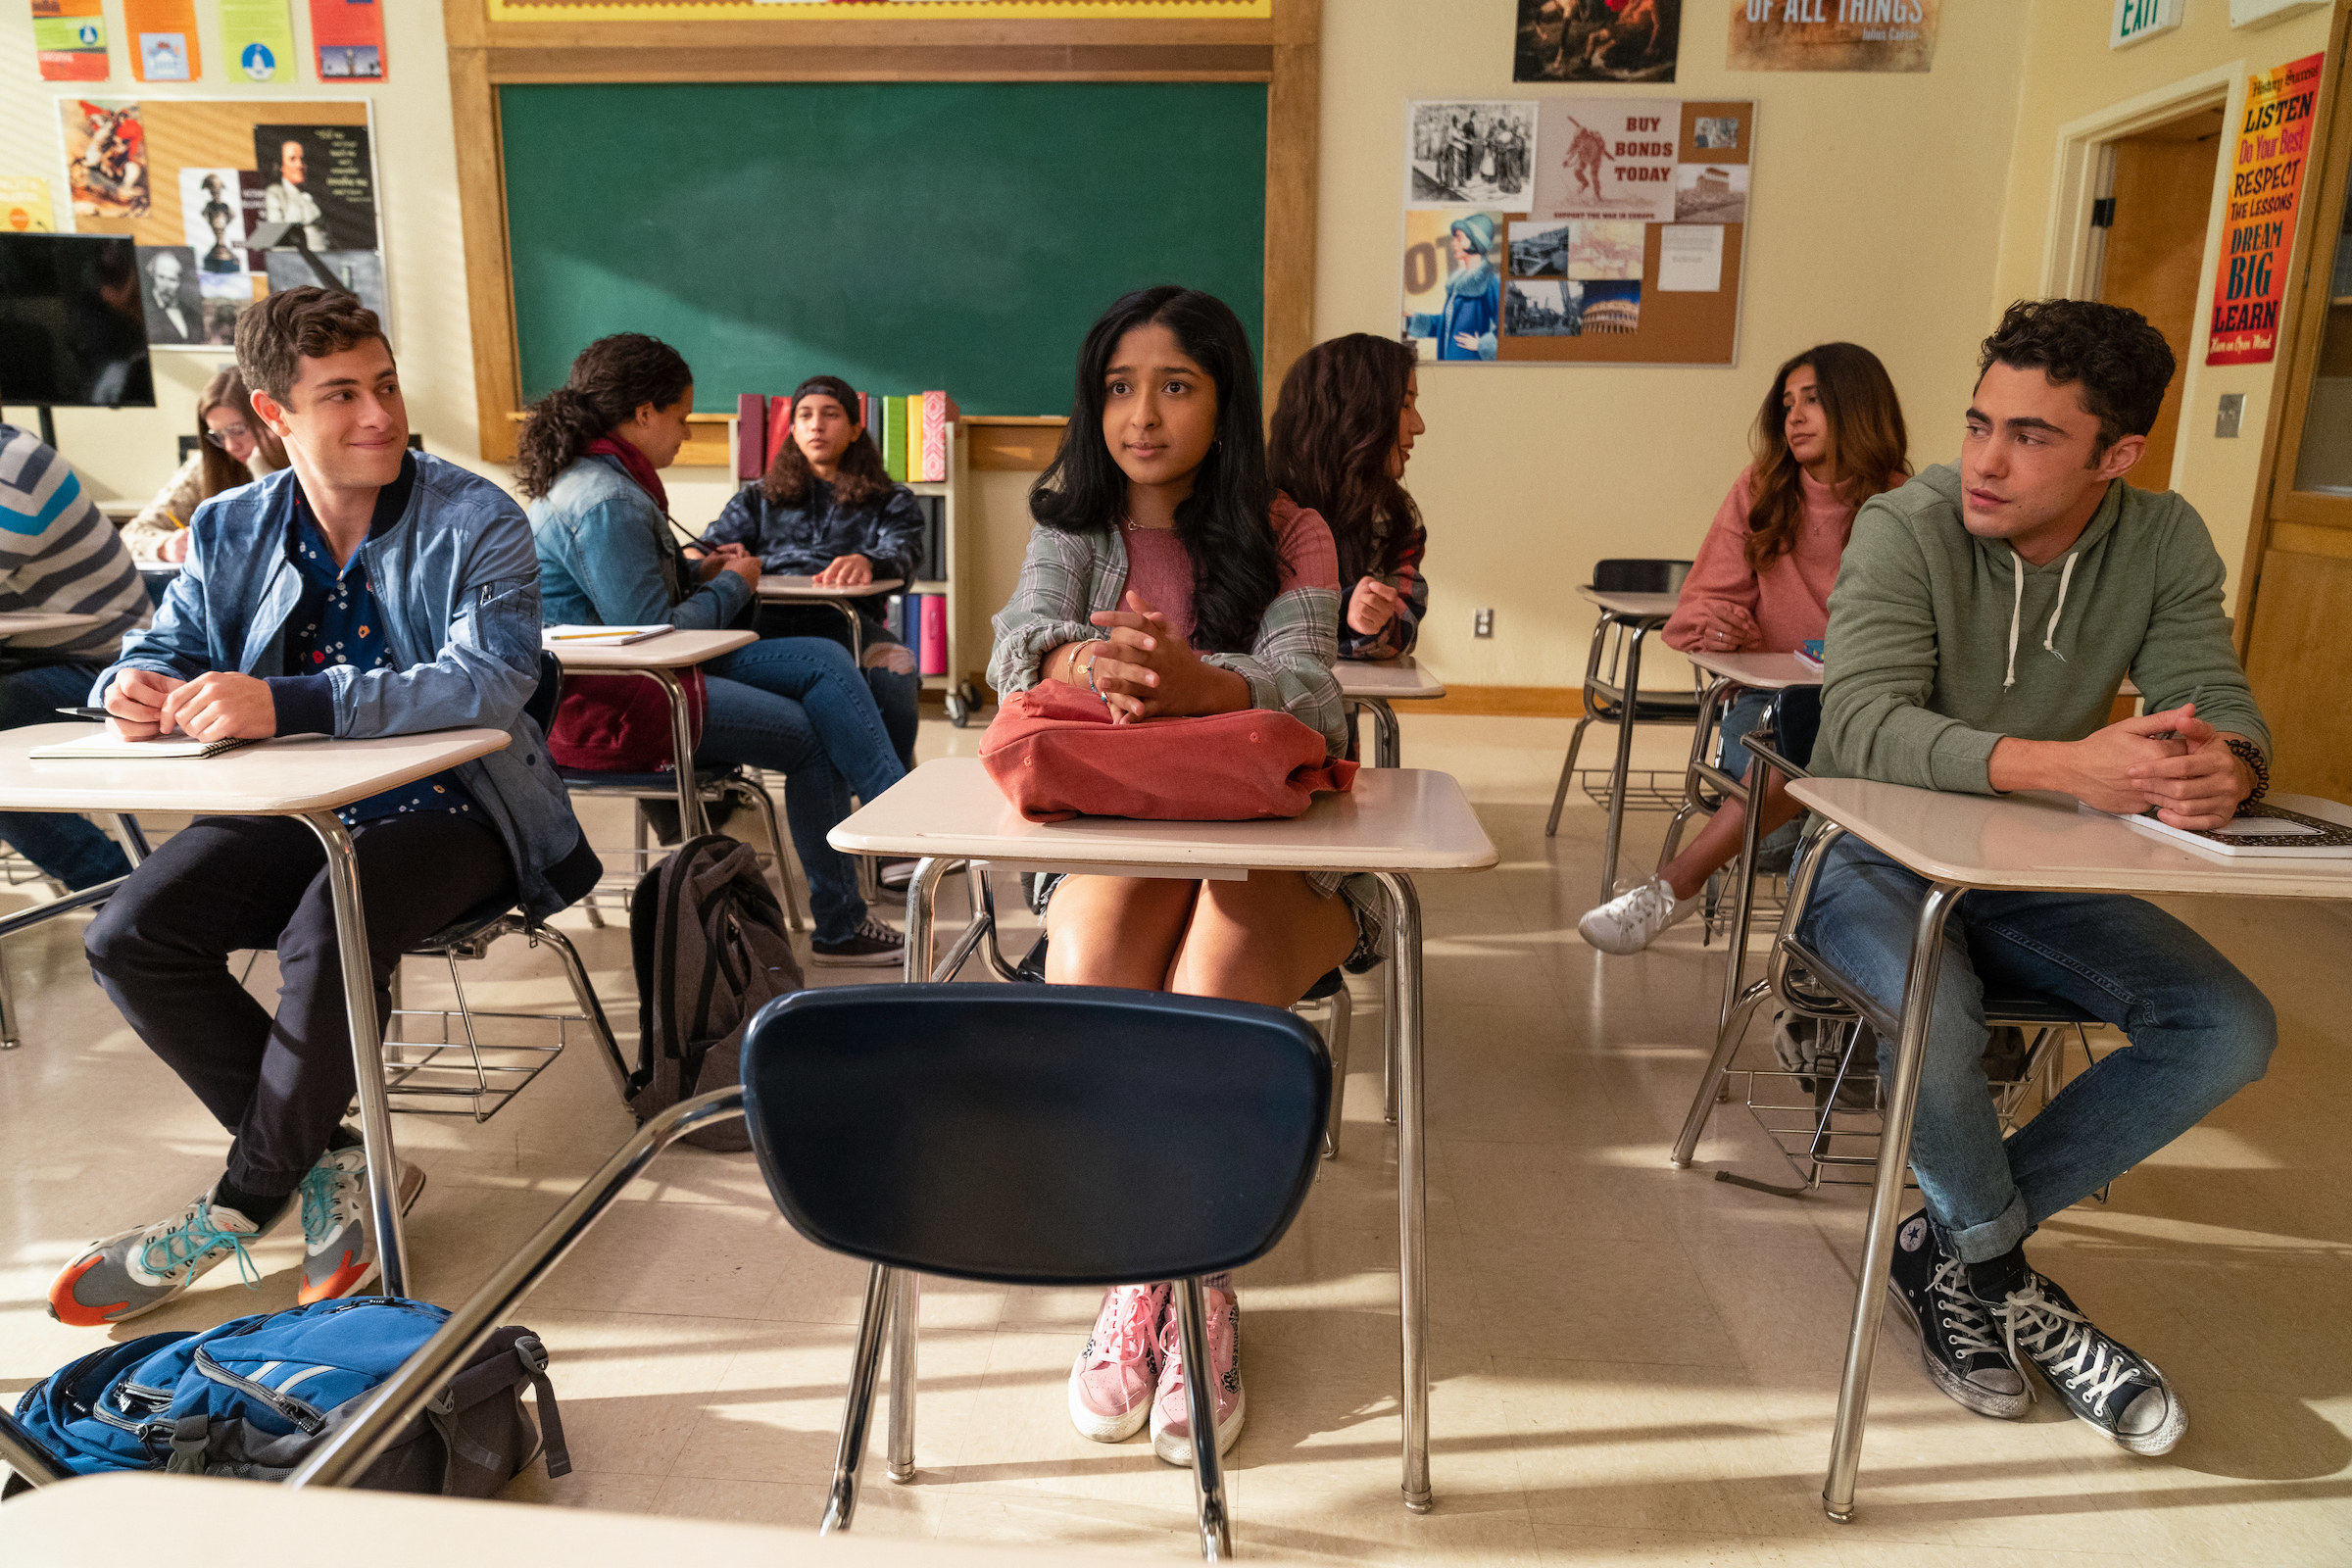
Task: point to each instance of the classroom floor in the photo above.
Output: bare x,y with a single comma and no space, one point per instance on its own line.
1631,1363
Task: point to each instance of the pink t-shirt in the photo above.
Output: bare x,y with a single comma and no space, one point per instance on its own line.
1790,598
1158,569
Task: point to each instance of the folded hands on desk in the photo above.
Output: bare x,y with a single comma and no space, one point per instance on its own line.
217,706
2173,761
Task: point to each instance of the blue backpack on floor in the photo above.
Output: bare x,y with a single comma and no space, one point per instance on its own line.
255,1397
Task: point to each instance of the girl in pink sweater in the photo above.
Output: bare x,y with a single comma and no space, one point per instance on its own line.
1828,438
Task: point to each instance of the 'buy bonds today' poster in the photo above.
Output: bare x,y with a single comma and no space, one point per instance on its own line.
2266,181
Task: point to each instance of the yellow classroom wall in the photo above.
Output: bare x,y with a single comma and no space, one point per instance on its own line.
1897,210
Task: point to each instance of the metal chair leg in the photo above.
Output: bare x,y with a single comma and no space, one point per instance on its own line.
841,1502
9,1040
1726,1044
1628,706
1334,1037
1201,1400
765,806
906,1331
1559,795
590,1004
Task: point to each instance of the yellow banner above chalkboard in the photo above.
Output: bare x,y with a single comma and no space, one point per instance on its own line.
876,10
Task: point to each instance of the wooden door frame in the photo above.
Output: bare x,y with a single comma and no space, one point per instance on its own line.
2067,247
1283,51
2284,517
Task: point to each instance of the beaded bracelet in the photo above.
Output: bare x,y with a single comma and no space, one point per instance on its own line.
1089,678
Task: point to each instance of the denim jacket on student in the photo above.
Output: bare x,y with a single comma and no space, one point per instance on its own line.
607,559
807,536
449,558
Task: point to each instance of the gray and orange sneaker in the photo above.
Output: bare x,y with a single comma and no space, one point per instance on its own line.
139,1270
338,1242
1112,1382
1171,1410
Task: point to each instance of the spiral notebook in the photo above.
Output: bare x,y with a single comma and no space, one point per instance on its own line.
108,747
2259,831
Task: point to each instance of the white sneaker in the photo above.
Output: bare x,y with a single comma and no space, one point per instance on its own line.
1632,921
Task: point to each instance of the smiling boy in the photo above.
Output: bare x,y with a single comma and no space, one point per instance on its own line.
363,590
1983,620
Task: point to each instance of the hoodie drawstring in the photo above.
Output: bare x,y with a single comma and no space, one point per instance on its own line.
2017,610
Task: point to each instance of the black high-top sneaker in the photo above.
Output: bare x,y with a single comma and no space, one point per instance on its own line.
1959,1338
2104,1382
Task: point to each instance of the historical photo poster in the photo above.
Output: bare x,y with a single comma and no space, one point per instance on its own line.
1539,247
106,156
1452,282
1710,193
318,178
168,296
1469,153
1833,34
1598,40
2266,183
1606,158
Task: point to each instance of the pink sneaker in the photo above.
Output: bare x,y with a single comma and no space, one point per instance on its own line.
1171,1410
1112,1378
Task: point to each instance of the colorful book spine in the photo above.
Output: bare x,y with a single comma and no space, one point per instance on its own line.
939,412
751,435
932,656
779,429
869,416
894,438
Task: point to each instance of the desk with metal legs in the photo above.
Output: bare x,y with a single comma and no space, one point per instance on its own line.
302,776
1370,685
1395,824
1636,615
2024,842
659,660
798,590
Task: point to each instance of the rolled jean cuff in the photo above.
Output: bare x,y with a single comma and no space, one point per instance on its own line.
1981,1244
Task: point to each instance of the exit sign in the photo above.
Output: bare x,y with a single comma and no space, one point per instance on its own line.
2137,20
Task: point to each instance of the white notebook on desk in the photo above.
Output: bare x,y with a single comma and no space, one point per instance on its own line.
2260,831
559,637
104,745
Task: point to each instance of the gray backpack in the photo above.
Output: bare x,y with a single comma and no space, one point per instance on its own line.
711,948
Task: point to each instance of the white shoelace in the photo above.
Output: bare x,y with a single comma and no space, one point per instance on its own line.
1970,1325
2083,1359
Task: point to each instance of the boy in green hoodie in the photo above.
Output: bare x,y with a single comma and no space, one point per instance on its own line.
1983,620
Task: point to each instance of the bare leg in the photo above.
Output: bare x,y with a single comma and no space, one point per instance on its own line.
1116,930
1718,842
1264,940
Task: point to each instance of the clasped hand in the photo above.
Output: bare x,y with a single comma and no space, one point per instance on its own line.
2173,761
1140,668
1374,603
217,706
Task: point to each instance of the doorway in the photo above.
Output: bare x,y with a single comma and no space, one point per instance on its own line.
2148,248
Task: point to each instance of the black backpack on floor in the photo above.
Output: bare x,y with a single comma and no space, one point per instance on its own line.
711,947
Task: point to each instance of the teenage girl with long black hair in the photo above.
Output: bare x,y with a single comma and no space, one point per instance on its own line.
1166,572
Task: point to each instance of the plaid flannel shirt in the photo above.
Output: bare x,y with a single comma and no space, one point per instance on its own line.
1067,576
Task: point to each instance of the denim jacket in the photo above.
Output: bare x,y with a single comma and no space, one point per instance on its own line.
807,536
449,558
607,559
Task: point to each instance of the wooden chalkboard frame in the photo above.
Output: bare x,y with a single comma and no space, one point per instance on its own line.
1284,52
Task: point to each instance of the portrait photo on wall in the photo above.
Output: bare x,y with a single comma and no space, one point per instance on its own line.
106,158
212,215
318,180
1452,282
1469,153
1598,40
169,297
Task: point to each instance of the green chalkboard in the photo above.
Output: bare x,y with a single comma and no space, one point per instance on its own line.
902,235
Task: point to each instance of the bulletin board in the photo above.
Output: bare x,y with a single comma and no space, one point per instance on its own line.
203,185
1653,277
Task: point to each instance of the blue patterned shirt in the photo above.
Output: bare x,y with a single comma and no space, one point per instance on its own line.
337,621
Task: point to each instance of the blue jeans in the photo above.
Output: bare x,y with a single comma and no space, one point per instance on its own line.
1745,712
799,706
2199,1032
64,846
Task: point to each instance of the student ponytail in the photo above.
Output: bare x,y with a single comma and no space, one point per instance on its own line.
612,379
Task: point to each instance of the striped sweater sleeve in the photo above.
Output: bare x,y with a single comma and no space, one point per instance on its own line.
58,554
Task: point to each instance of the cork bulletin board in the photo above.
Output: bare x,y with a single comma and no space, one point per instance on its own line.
1576,230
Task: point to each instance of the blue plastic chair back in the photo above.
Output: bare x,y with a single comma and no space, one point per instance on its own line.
1035,1135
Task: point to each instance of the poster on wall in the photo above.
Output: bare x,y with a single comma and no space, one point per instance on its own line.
2258,229
1626,247
163,39
1610,158
1598,40
1833,34
349,35
224,199
70,38
25,204
1469,153
106,156
259,37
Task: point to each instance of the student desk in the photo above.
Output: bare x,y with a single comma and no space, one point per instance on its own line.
796,590
57,1524
1395,823
17,623
1371,685
307,776
1636,615
2019,843
659,660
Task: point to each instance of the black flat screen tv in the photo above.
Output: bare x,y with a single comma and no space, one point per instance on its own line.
72,335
